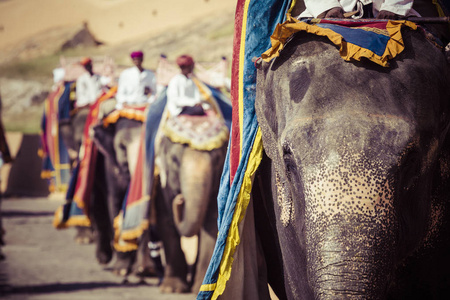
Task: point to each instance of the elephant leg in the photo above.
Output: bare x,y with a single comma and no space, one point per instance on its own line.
206,243
267,229
116,194
2,232
175,271
144,265
248,279
155,251
78,123
100,216
66,132
85,235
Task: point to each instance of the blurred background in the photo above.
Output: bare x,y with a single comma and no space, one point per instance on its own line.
38,36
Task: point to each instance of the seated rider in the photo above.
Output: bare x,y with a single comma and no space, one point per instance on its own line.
136,85
380,9
88,86
183,96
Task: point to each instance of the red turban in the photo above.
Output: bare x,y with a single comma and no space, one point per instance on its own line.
85,61
135,54
185,61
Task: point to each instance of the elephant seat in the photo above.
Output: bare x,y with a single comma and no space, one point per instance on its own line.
205,132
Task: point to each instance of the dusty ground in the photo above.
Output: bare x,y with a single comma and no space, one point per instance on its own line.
44,263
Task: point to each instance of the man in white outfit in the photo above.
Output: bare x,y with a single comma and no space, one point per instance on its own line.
89,86
136,85
87,89
381,9
183,96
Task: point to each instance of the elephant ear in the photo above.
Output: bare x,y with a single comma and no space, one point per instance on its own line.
266,112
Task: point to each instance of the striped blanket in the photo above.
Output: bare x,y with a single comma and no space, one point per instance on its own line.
56,166
136,210
75,211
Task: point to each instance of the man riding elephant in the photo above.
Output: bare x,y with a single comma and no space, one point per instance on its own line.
118,139
85,92
189,157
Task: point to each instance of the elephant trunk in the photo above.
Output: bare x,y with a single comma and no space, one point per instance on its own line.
352,232
190,207
349,264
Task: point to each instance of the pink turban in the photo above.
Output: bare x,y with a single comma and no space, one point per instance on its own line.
185,61
135,54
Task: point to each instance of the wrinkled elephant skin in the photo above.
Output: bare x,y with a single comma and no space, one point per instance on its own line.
187,206
359,158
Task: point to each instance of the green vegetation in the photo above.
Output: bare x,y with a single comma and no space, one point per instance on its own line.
225,31
28,122
38,69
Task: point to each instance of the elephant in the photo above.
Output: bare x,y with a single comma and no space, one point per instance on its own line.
119,143
72,126
352,197
186,205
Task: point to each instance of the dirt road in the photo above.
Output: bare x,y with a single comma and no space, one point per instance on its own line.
44,263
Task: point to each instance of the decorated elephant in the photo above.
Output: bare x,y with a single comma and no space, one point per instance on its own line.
189,185
357,166
86,198
189,156
348,165
118,140
71,128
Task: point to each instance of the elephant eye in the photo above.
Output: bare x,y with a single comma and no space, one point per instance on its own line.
289,163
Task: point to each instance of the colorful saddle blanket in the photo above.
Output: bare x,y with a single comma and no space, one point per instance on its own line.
206,132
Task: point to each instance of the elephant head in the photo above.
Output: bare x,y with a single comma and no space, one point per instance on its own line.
191,179
359,155
187,206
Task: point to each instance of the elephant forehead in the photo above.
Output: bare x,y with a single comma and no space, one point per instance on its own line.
315,138
347,189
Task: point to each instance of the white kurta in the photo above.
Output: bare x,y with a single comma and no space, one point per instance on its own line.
399,7
88,89
131,87
181,92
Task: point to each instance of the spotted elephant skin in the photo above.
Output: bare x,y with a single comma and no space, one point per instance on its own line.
358,166
186,206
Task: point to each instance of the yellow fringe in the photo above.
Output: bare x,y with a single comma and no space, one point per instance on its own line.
128,113
40,153
119,244
233,239
347,51
133,234
136,232
125,247
214,143
46,174
72,221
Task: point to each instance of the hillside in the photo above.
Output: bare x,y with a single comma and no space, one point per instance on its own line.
32,35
